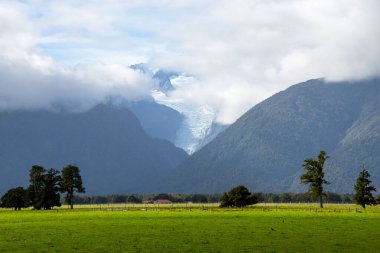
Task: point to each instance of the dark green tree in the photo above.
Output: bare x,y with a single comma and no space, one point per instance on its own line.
238,196
226,201
164,196
35,189
133,199
43,188
363,189
286,197
71,182
314,175
15,198
333,197
197,198
51,195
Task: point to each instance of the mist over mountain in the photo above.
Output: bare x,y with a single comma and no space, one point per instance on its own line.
160,77
264,149
108,143
197,126
164,80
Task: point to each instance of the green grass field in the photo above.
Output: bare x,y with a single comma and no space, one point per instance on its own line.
183,228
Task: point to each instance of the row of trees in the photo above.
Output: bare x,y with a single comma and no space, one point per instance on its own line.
140,198
45,188
47,184
286,197
289,197
315,178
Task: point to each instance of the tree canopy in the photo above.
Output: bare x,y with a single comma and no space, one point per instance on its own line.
71,182
15,198
43,188
51,195
238,196
363,189
314,175
35,189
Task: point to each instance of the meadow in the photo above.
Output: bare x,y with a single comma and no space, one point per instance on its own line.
192,228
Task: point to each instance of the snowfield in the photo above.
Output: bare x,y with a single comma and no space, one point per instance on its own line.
198,118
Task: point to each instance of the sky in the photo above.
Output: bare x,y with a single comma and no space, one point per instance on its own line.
76,53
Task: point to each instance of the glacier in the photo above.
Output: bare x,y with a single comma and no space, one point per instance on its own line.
198,118
199,126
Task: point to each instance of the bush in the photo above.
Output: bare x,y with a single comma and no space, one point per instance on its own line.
238,197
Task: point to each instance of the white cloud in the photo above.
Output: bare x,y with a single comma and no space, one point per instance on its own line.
31,79
240,51
244,51
36,82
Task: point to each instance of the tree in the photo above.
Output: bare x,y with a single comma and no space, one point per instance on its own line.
286,197
333,197
51,196
314,175
363,189
164,196
133,199
71,182
197,198
239,197
36,179
15,198
43,188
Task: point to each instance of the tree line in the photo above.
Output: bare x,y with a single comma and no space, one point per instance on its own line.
287,197
314,176
45,186
141,198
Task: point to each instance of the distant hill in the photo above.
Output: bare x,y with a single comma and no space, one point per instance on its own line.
108,144
265,148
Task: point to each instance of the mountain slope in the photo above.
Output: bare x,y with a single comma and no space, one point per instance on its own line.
108,144
361,146
159,121
265,148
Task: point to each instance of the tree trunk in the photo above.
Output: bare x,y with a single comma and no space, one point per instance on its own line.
70,199
320,201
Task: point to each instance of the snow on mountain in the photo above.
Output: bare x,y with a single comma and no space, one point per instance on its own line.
198,126
195,126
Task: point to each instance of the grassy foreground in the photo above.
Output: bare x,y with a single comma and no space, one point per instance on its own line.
261,229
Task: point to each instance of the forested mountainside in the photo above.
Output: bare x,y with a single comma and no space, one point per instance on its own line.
108,143
265,148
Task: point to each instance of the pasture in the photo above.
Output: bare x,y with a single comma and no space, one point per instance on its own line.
192,228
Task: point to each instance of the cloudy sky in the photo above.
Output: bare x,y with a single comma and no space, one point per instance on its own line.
75,53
